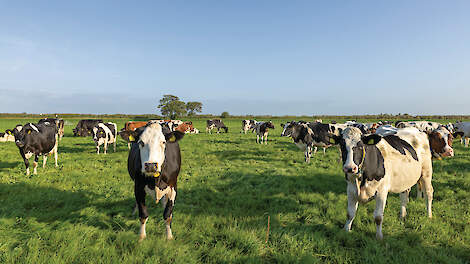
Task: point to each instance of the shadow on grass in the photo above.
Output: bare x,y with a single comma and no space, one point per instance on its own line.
8,165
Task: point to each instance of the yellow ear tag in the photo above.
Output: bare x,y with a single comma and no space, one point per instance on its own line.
370,142
332,141
131,138
156,174
9,133
29,131
172,138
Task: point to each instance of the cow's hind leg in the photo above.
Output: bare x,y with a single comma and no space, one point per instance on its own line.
168,212
44,161
380,201
315,149
352,207
404,198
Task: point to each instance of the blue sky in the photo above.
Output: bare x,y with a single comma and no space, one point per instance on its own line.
244,57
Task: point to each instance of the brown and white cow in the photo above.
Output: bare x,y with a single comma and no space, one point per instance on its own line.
376,165
133,125
153,164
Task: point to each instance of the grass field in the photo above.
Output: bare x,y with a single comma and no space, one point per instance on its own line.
81,212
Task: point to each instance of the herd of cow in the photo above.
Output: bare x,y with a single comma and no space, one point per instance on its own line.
377,158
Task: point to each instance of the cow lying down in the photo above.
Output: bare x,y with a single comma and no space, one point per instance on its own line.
154,163
375,165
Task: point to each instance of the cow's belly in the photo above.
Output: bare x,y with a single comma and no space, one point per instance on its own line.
301,145
403,176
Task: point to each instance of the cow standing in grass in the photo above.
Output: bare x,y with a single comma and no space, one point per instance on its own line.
36,139
376,165
104,134
262,129
154,163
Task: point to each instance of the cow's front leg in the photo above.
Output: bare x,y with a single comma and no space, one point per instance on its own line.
380,201
308,152
352,206
44,161
105,147
168,213
97,149
257,139
315,150
35,164
139,193
26,163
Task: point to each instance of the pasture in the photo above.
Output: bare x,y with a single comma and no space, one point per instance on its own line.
81,212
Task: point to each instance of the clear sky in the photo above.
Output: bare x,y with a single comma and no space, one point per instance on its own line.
244,57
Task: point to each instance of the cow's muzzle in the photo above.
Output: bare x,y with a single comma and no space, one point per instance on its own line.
19,143
351,169
151,169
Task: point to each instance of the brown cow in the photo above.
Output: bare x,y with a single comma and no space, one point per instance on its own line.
186,127
133,125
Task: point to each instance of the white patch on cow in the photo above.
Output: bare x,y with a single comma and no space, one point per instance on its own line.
28,155
152,146
34,127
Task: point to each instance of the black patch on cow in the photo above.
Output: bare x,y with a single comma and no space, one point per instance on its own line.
168,209
400,145
373,167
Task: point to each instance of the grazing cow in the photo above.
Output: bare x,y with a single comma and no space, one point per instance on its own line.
58,122
36,139
105,133
376,165
462,129
133,125
215,123
262,129
304,138
423,126
84,127
247,125
154,163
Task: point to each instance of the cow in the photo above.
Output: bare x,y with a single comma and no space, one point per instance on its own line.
84,127
171,124
153,164
376,165
105,133
261,129
304,139
423,126
215,123
462,129
36,139
58,122
247,125
125,135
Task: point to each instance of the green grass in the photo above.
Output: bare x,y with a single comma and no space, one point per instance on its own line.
81,212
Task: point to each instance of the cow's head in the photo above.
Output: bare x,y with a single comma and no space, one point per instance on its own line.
353,147
152,140
440,141
98,132
21,133
270,125
287,129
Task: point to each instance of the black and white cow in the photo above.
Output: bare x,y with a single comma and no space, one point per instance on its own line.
215,123
58,122
85,127
423,126
376,165
462,129
105,133
36,139
247,125
7,136
261,129
304,139
154,163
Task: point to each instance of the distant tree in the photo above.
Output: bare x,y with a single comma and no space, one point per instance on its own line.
171,106
193,107
224,115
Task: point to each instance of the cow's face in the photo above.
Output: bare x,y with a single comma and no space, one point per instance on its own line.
287,131
98,132
270,125
352,149
152,143
441,142
21,134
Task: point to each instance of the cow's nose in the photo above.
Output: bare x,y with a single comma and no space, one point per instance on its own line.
351,169
151,167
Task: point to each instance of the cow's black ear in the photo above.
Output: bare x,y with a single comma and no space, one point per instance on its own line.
174,136
371,139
